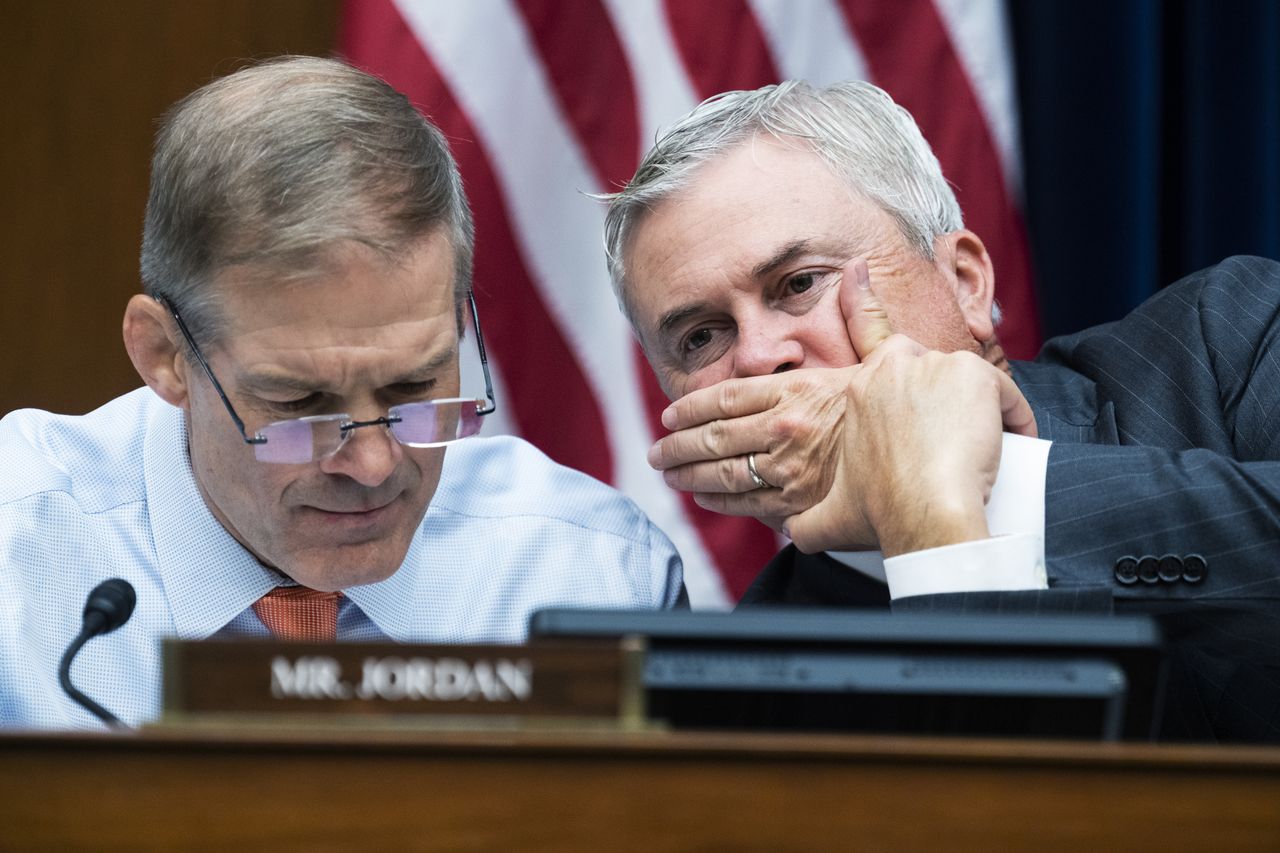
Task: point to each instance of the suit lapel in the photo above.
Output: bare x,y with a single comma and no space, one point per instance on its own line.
1066,404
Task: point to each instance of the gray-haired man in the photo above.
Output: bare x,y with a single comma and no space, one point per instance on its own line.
306,260
798,274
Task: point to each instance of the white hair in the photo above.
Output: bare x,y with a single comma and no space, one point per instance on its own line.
855,127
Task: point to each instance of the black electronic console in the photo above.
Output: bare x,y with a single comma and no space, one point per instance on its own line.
1097,677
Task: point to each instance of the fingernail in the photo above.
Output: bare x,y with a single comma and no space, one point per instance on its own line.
864,277
786,531
669,417
669,477
654,458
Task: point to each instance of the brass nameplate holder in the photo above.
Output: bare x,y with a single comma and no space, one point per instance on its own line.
577,682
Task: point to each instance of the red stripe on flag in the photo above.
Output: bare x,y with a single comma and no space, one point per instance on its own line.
567,424
585,63
910,55
721,45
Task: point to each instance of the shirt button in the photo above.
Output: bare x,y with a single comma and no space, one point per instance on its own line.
1194,568
1149,570
1170,568
1127,570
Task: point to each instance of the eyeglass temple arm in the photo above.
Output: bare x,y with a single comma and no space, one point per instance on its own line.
208,371
484,359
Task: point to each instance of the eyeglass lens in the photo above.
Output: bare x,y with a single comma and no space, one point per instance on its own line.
427,424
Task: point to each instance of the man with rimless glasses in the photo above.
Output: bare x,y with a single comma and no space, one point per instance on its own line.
301,461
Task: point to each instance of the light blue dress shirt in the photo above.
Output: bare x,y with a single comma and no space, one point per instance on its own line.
111,494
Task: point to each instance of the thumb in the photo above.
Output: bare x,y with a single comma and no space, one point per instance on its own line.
809,530
829,525
864,315
1015,411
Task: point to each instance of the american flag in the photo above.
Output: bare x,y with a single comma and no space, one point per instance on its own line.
544,101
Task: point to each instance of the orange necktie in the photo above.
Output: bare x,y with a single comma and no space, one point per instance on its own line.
300,613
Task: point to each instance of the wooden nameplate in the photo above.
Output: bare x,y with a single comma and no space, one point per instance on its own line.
587,681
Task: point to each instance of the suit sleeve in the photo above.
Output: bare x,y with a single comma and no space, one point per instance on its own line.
1188,506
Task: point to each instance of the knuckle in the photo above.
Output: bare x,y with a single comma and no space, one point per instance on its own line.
663,451
898,343
976,368
792,474
674,451
800,382
714,437
676,478
785,425
894,358
727,396
727,472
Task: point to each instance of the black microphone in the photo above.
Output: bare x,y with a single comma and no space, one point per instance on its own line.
108,607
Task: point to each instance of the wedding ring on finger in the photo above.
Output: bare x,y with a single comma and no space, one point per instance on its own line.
761,482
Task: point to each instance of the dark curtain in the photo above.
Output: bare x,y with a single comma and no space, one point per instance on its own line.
1151,144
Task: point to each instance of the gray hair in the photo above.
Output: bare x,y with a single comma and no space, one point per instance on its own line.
272,165
855,127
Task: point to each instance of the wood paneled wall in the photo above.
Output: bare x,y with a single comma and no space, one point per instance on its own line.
83,83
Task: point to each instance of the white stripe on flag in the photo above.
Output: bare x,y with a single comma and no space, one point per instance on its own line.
663,89
810,41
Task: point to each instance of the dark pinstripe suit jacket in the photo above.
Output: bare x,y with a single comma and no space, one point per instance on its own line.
1166,431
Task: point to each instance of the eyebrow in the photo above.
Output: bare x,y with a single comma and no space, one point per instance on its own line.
437,361
284,382
765,268
679,315
782,257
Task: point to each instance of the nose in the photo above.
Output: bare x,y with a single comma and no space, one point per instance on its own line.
767,344
368,456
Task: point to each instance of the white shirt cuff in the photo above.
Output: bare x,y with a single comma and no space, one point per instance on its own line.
1015,561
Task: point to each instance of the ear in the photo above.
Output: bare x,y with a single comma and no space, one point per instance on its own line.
975,281
148,337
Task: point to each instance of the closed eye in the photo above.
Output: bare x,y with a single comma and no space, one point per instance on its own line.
301,404
413,390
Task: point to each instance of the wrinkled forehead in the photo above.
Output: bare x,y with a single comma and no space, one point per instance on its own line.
335,276
734,213
347,285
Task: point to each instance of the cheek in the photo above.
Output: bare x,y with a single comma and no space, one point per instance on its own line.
430,461
704,377
824,338
934,321
420,474
676,383
228,468
259,493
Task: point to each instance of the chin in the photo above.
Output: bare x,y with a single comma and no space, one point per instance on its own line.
327,580
338,568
